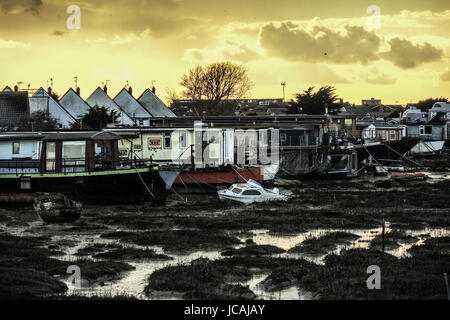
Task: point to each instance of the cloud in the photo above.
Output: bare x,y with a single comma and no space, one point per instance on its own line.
9,44
406,55
445,76
374,76
292,42
231,50
118,40
21,6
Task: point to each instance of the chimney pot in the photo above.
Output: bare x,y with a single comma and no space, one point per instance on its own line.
130,90
16,88
49,90
78,90
105,88
154,90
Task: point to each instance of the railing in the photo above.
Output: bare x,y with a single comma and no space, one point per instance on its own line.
70,165
301,141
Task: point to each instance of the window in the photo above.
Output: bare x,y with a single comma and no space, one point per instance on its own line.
141,122
283,138
167,140
251,193
392,135
73,153
16,148
236,190
425,130
50,156
183,140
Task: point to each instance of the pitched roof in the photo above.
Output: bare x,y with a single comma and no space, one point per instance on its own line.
101,99
52,106
130,105
74,105
154,105
7,89
13,107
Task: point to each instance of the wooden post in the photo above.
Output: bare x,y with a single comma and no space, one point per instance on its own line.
446,284
382,237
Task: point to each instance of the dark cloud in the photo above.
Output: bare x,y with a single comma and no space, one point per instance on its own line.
406,55
57,33
21,6
292,42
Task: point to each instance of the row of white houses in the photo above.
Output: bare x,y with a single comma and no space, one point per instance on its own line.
71,107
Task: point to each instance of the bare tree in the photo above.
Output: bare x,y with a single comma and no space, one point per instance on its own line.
193,81
171,96
216,81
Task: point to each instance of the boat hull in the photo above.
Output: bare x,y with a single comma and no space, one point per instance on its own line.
387,151
208,181
102,187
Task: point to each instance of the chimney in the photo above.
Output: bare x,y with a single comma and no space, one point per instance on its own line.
154,90
49,90
16,88
78,91
105,88
130,90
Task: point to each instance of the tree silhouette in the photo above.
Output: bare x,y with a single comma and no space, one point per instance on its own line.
38,121
310,102
96,118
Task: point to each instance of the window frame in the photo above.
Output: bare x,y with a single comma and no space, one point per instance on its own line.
13,147
165,136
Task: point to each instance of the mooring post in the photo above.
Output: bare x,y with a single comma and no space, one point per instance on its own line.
446,284
382,236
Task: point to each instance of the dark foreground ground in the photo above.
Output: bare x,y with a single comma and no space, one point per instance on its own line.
317,245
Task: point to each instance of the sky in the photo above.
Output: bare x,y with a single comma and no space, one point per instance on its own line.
396,51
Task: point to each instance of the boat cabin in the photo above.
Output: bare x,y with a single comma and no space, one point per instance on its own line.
79,151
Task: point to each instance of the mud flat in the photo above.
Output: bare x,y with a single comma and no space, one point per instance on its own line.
318,244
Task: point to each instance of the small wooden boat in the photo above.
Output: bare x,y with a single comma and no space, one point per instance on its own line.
409,175
57,209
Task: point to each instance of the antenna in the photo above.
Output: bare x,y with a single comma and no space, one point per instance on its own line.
76,82
51,82
283,84
153,82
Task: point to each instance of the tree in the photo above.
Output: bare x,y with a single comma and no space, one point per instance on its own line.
216,81
310,102
38,121
426,104
96,118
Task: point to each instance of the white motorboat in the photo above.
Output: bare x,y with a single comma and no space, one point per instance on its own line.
250,192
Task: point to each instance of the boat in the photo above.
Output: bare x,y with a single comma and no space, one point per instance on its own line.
208,180
341,165
427,148
409,176
250,192
385,152
52,208
84,165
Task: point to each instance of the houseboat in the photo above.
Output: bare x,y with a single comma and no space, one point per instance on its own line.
84,165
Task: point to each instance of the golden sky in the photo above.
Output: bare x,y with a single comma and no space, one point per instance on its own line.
302,43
